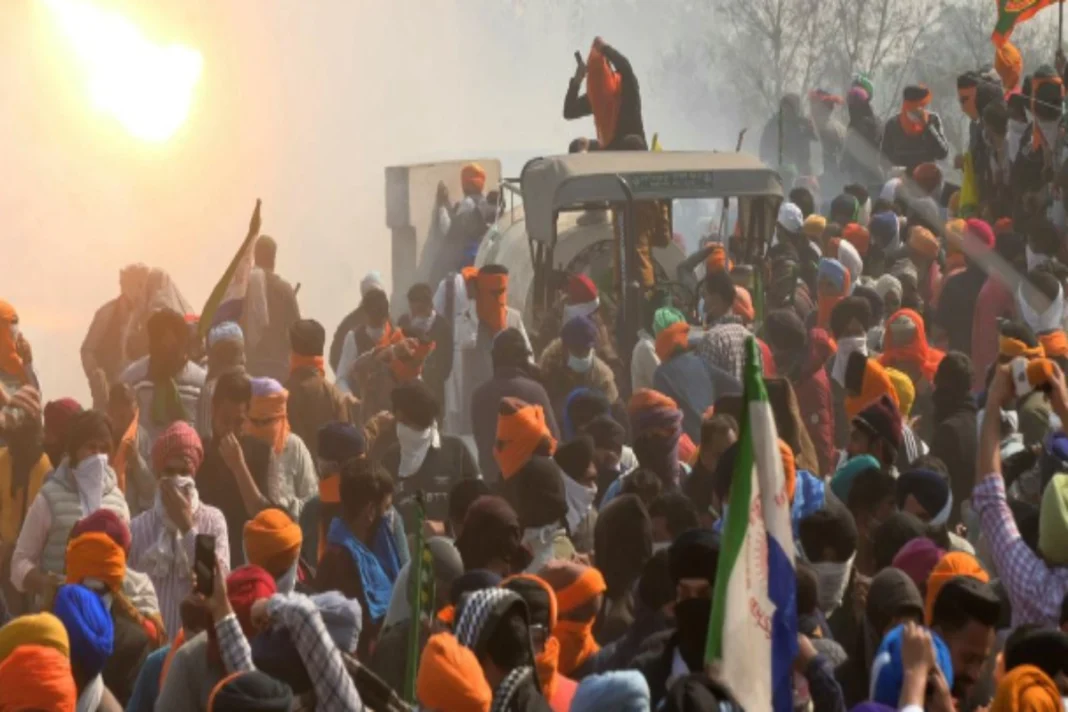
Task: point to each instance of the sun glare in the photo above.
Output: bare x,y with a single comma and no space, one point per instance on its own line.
146,87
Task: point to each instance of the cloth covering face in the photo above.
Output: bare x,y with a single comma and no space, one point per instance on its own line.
95,555
267,416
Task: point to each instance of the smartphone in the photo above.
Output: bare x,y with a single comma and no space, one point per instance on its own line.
204,563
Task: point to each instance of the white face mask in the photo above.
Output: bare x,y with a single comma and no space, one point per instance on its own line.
580,365
832,578
90,475
422,323
540,541
414,445
376,334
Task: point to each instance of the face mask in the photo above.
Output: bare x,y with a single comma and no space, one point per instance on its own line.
89,475
580,365
376,334
414,445
691,629
833,578
422,323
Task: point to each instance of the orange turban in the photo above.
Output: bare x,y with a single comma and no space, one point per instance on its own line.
604,87
451,678
42,629
491,304
858,236
577,589
1054,343
671,340
923,241
876,384
95,555
1008,63
789,468
473,178
272,541
1027,688
1009,348
10,361
917,353
37,677
269,407
954,564
521,430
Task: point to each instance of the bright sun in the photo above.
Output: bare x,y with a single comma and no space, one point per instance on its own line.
146,87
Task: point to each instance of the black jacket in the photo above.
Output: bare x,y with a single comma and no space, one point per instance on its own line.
630,110
910,151
442,468
485,401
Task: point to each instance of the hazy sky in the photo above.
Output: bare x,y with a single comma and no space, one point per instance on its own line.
300,103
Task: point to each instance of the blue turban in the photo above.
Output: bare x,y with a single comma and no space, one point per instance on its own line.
339,442
833,271
846,475
888,670
884,229
226,331
89,627
622,691
930,489
579,334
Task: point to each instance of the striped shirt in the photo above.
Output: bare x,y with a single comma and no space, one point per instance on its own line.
145,530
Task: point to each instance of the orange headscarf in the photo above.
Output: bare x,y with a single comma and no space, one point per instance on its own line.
297,361
120,460
1054,343
1009,348
1027,688
876,384
519,434
10,361
717,260
272,541
270,407
547,662
953,564
409,355
922,241
919,353
1008,63
576,586
604,87
492,301
96,555
671,340
37,677
451,678
910,126
858,236
473,178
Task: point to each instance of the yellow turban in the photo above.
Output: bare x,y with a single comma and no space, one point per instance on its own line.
37,629
906,391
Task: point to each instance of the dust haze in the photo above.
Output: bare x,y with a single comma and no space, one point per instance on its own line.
300,103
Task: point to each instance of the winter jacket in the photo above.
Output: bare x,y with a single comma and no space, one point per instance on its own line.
64,504
812,385
910,151
561,380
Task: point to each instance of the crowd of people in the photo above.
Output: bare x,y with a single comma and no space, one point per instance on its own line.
569,498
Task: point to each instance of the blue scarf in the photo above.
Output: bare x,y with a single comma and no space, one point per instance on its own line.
378,566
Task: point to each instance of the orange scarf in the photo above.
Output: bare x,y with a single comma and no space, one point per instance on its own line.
909,125
858,236
918,353
121,458
1054,343
408,359
273,408
967,102
604,87
953,564
577,643
1009,349
10,361
492,301
547,662
518,435
300,361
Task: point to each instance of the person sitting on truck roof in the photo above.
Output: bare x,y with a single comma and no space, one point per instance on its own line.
612,96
